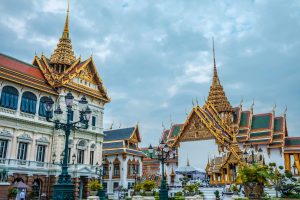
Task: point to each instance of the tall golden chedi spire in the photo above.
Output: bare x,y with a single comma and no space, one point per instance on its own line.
216,95
63,56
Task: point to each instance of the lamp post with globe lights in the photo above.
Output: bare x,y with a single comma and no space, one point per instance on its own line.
64,188
254,157
99,172
164,153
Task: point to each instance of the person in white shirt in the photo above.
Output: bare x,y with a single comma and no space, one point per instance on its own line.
22,195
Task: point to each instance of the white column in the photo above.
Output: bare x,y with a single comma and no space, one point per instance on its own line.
19,104
37,108
14,145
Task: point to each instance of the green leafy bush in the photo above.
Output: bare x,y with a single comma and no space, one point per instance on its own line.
12,192
253,173
94,185
138,187
217,194
149,185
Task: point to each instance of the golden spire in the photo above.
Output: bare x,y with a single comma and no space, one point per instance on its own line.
216,94
64,54
172,172
187,161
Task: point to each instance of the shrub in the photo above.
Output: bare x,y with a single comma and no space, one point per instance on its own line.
138,187
12,192
94,185
234,188
217,194
253,173
149,185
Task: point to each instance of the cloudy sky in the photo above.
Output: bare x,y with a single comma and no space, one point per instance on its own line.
156,56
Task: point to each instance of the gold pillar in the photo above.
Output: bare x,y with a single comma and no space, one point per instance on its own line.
212,179
228,174
296,158
223,177
287,162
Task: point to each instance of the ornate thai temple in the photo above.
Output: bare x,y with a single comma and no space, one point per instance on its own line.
216,135
122,159
30,147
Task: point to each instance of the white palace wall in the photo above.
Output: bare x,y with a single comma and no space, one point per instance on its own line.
197,152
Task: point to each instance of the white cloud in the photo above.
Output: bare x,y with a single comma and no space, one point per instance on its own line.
197,71
51,6
17,25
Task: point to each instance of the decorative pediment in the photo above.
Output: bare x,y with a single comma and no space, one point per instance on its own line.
85,71
82,144
85,170
24,138
135,137
193,130
42,141
93,147
5,134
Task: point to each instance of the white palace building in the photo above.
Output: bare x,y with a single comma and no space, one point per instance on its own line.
30,147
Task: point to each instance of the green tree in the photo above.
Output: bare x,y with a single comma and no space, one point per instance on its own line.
149,185
276,177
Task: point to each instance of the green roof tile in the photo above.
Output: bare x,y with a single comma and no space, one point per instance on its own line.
277,137
260,134
278,124
261,121
243,131
244,118
175,130
292,141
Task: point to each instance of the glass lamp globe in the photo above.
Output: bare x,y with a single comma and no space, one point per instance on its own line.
58,114
83,103
69,99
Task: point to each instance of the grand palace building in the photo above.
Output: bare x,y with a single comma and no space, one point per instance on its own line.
30,147
217,138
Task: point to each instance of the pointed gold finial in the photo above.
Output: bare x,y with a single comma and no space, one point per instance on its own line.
241,102
111,126
187,160
215,76
252,106
162,124
285,110
193,103
216,95
274,108
63,53
197,103
66,27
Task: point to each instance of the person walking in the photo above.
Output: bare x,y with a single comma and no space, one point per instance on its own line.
22,195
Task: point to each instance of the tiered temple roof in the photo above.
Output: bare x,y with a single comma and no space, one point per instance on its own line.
122,141
216,95
63,69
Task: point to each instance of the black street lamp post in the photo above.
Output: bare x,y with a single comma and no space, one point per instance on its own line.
99,172
64,188
254,159
164,153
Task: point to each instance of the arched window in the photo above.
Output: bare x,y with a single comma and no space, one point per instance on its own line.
80,152
28,103
9,97
116,172
42,109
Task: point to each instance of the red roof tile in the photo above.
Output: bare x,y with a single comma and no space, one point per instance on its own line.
19,66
